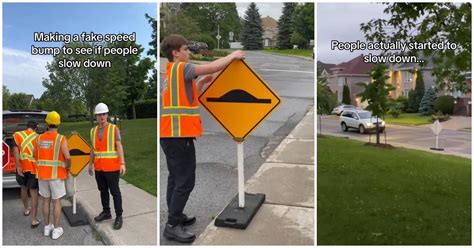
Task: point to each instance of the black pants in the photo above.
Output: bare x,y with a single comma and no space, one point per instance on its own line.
109,181
181,161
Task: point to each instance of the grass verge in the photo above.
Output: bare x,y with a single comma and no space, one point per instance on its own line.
409,119
139,139
373,196
295,52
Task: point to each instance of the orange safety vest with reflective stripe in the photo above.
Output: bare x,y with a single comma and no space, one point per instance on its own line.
179,118
50,159
25,141
106,157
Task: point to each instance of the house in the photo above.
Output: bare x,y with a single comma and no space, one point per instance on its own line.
403,77
270,32
351,72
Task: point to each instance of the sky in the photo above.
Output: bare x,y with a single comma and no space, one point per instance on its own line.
23,72
265,9
341,21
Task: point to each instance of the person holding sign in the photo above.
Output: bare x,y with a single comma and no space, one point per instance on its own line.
180,124
108,162
23,149
53,163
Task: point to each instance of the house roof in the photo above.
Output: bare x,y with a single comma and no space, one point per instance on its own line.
353,66
269,23
323,66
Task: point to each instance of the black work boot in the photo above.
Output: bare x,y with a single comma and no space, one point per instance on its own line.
103,216
188,220
118,223
178,233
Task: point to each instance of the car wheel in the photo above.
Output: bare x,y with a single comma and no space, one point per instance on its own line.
382,129
344,127
361,129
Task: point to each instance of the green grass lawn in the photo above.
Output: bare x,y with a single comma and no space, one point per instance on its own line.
409,119
298,52
139,139
374,196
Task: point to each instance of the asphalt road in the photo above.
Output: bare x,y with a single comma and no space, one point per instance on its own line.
216,183
17,231
458,141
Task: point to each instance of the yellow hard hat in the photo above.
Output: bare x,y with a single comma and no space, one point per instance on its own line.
53,118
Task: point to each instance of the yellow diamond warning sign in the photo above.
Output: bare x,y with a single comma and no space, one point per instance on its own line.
239,99
80,153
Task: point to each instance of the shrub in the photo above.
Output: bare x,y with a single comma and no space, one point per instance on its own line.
440,116
444,104
402,103
426,105
144,109
395,113
220,53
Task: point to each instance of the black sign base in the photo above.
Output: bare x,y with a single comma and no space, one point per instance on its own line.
235,217
78,219
437,149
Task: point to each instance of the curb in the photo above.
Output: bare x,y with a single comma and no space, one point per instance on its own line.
288,55
271,159
103,236
399,145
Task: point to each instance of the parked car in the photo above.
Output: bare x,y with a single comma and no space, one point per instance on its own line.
339,109
361,120
193,47
16,120
203,46
196,47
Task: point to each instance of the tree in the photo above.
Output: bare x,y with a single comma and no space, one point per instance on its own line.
152,87
177,23
253,32
419,88
118,86
326,100
18,101
435,23
303,25
285,23
376,94
6,96
412,102
426,105
210,16
346,94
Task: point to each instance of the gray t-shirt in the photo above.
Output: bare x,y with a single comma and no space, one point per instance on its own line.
101,133
189,76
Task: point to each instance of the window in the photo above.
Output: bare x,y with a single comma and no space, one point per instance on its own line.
405,93
407,77
340,81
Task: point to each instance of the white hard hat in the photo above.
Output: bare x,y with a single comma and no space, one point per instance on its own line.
101,108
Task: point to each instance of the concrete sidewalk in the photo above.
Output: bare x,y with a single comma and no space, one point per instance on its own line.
139,213
287,180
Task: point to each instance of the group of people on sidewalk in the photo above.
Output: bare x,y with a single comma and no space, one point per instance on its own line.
43,162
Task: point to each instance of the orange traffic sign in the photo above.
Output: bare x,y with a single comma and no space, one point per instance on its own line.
239,99
80,153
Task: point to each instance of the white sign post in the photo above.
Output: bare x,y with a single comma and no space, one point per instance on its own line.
218,37
240,172
436,128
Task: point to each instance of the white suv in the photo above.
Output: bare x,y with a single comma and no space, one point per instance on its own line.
361,120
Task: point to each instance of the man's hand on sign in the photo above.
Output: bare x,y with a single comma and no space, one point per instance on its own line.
20,171
239,54
123,170
204,82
